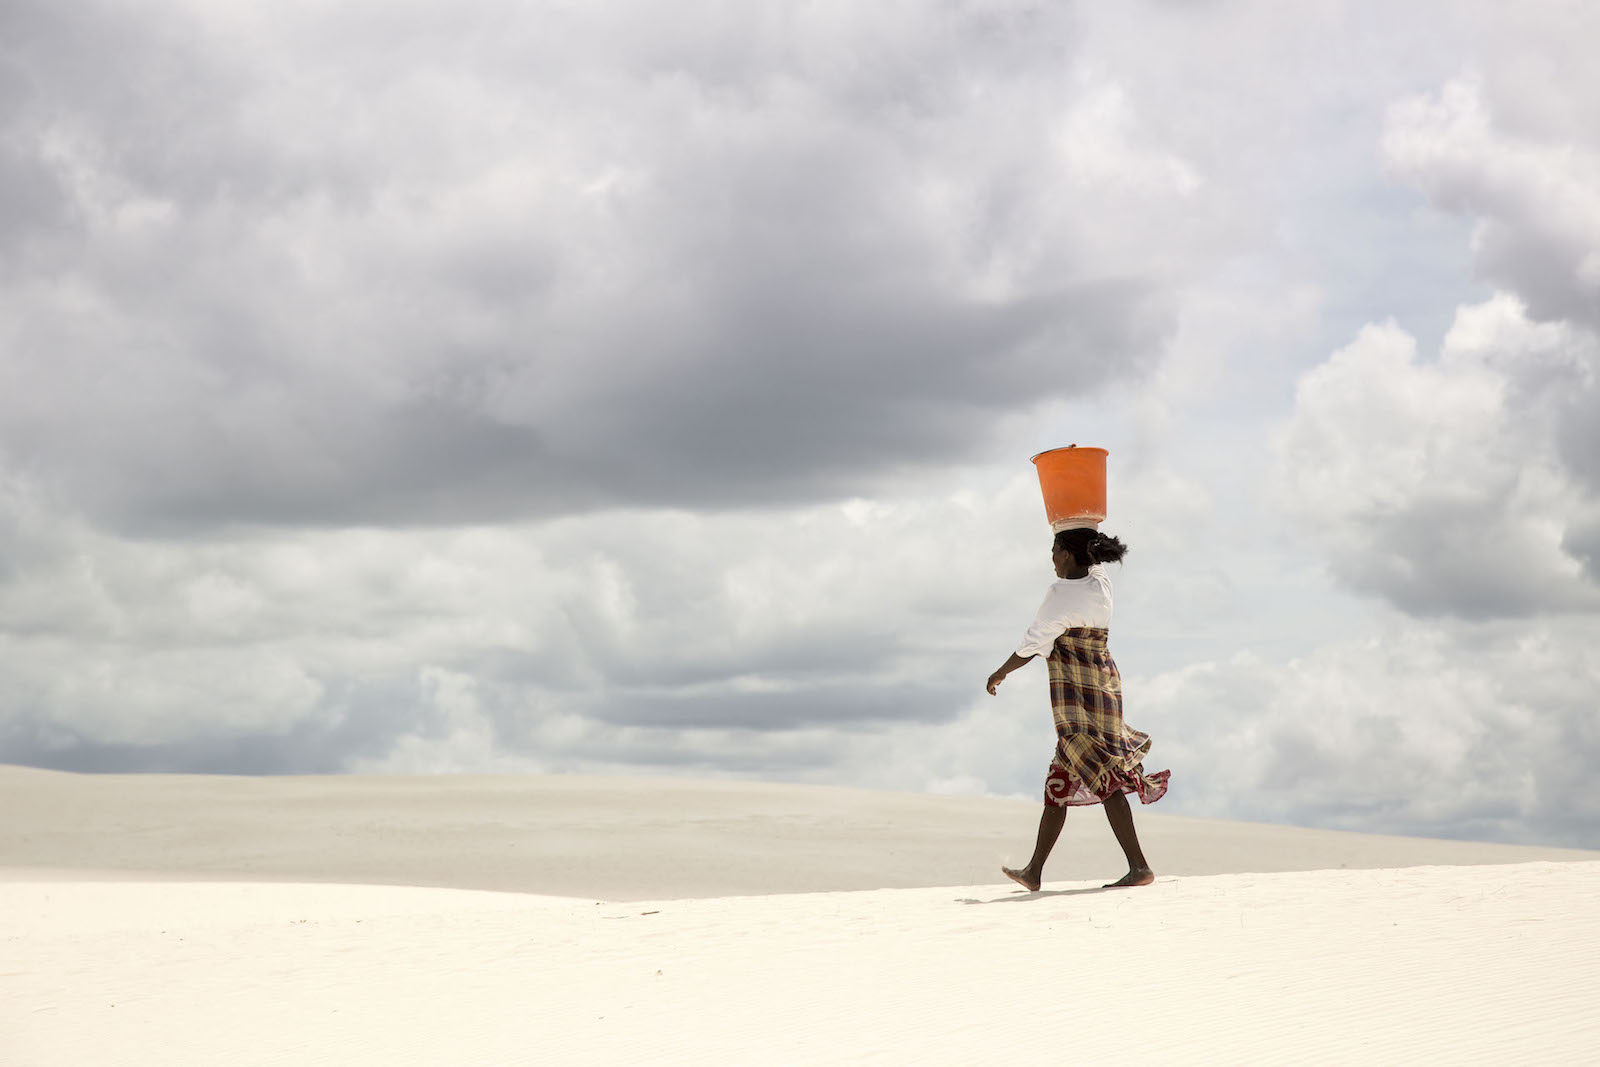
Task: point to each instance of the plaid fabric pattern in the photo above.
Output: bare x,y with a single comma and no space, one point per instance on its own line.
1097,754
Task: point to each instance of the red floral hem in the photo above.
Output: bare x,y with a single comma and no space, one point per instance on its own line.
1063,790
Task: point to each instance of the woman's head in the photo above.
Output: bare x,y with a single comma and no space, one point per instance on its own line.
1089,546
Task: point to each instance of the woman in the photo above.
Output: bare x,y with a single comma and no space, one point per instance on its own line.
1098,758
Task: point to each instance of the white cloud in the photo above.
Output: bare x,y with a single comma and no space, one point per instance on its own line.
1470,484
1479,731
360,645
1440,484
1456,486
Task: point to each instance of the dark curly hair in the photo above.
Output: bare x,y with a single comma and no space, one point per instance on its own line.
1091,546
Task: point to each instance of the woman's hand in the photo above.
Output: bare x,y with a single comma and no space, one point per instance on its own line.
1006,668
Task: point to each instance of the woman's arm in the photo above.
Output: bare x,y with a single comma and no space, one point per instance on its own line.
1006,668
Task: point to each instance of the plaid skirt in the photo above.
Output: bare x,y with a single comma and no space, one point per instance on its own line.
1097,754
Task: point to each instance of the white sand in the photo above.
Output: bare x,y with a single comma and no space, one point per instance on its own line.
1421,964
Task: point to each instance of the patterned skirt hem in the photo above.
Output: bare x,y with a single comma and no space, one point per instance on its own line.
1063,790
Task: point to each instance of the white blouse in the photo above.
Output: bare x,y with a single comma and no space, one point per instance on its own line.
1069,602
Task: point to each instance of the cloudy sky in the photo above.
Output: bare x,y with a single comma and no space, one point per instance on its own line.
607,388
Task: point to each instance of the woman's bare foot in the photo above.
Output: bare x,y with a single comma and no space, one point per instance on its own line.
1138,876
1022,878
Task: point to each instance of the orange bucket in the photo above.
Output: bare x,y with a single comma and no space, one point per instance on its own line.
1073,481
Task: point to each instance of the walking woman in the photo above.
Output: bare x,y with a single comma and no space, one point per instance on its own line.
1098,758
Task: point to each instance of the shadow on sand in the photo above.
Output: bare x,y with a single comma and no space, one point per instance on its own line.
1023,896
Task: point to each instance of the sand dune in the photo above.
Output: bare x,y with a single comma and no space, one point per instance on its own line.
621,838
1484,956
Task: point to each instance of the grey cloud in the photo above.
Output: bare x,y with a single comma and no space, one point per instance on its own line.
1577,430
365,721
1530,191
417,263
828,703
347,650
398,284
806,660
817,409
32,202
269,652
1515,149
1582,543
804,656
1468,559
1544,269
719,753
354,720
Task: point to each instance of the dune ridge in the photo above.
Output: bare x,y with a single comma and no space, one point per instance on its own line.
621,838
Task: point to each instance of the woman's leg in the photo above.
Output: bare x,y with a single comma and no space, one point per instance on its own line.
1050,824
1120,816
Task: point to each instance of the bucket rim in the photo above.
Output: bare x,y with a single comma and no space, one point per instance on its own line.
1069,448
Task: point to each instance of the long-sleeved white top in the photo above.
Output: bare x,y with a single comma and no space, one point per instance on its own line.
1069,602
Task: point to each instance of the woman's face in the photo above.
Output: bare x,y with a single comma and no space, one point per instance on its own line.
1061,558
